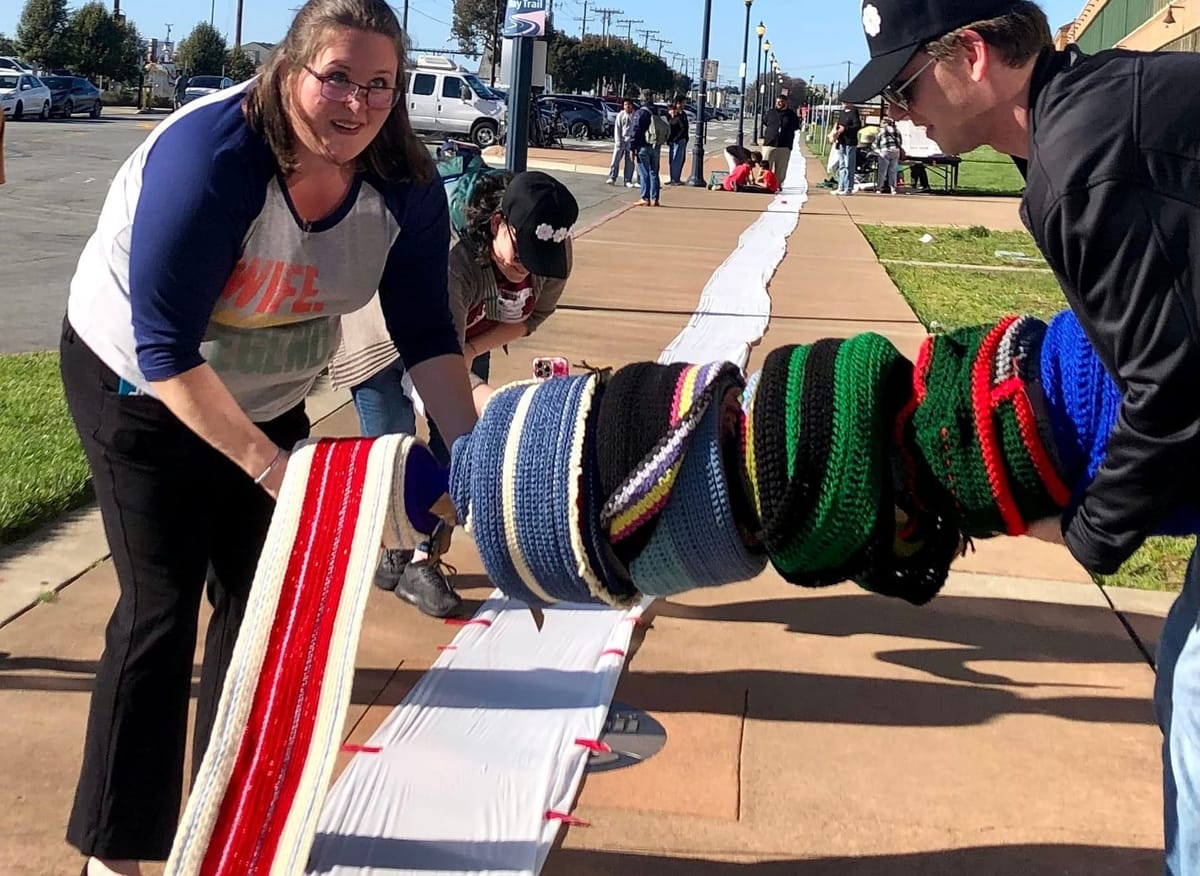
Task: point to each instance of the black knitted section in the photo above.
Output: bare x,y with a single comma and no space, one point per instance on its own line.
601,559
635,414
770,435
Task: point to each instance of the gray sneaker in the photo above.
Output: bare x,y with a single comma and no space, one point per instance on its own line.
424,584
392,564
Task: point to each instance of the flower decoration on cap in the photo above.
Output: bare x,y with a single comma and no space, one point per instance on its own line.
548,232
871,20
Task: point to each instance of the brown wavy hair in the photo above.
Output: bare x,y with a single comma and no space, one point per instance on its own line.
395,154
484,202
1018,37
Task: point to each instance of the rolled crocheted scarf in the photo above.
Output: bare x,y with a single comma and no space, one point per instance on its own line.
525,483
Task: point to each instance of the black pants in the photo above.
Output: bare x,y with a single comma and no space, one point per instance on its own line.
178,515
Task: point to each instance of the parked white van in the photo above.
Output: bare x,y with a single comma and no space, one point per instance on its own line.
447,101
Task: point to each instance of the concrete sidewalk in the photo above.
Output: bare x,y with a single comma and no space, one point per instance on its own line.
1006,728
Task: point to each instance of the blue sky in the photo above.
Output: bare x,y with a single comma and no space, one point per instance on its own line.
812,39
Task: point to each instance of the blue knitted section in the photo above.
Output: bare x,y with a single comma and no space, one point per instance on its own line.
542,482
696,543
460,476
1083,403
487,496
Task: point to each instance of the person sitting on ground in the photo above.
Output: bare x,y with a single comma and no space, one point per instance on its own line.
508,270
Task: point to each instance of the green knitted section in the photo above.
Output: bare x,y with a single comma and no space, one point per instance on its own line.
1024,480
944,429
847,507
795,384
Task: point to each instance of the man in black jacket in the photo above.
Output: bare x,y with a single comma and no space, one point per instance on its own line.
1111,157
780,124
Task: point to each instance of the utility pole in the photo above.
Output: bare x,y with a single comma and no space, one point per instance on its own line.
741,137
237,29
661,42
583,20
629,23
697,178
607,15
646,34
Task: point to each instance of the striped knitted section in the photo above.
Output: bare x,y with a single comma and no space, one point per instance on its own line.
255,801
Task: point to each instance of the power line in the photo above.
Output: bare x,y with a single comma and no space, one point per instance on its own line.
607,15
647,34
661,43
629,23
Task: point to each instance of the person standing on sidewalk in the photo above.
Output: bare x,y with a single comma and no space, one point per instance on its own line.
621,148
508,270
203,308
677,142
1111,176
845,138
643,130
780,124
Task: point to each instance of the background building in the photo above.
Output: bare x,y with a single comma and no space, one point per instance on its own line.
1143,25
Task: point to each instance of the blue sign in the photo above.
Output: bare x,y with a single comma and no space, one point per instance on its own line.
525,18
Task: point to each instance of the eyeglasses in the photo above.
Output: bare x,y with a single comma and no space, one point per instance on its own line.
894,94
335,86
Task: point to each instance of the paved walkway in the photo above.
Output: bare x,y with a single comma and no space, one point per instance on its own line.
1004,729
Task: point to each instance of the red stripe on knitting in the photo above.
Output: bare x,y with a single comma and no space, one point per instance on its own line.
981,402
921,369
1027,421
278,733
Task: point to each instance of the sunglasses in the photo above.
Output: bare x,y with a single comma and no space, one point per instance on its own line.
337,87
895,94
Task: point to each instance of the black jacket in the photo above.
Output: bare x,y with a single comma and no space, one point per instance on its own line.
679,129
1113,199
779,128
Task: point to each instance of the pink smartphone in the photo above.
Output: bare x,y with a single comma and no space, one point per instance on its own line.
545,367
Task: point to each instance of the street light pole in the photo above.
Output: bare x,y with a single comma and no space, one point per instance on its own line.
741,141
760,30
701,126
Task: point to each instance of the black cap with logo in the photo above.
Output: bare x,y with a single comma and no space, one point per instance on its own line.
897,29
541,211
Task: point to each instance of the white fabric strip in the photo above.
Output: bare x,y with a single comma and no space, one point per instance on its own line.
484,745
735,305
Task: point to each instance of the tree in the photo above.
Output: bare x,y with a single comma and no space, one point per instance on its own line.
8,46
201,52
128,62
475,24
578,65
95,41
42,32
238,65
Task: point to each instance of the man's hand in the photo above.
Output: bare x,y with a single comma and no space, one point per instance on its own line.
1048,530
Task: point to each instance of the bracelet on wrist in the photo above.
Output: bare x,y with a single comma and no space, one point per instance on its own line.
270,466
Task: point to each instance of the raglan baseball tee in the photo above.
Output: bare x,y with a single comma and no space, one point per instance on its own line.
199,256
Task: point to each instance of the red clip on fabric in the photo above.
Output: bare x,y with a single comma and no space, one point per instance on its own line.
447,647
594,745
617,652
362,749
565,818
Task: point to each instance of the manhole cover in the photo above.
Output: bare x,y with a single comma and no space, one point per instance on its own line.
633,737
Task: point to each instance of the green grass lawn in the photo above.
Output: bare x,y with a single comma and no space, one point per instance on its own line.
42,469
948,298
966,246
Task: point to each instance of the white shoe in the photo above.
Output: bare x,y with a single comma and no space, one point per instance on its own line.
610,182
630,185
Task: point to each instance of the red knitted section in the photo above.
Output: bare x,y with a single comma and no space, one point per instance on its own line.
982,402
278,733
1027,420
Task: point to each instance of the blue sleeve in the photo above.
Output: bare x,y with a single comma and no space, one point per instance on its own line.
196,203
414,290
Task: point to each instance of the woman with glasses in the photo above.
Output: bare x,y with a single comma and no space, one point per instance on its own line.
203,308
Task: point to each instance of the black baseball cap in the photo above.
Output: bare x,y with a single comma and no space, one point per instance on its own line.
897,29
542,212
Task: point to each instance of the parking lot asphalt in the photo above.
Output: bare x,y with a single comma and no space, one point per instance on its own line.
59,172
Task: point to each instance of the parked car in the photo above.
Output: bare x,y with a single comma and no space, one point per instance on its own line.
581,121
7,62
72,94
201,86
23,94
447,101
